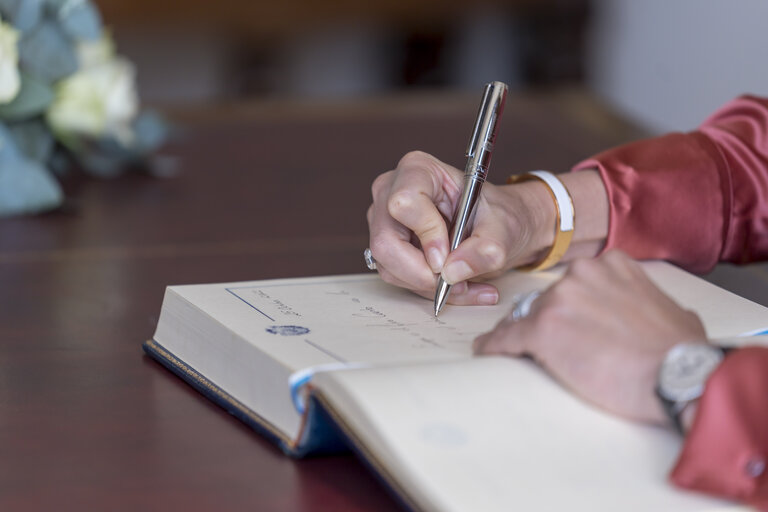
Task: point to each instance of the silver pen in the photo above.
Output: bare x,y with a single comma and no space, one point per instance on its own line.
479,152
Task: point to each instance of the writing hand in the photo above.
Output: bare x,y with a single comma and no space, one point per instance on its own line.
410,217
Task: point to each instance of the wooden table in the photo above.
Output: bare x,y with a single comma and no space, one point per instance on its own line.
87,422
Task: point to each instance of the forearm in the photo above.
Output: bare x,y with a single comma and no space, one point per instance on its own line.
692,198
590,202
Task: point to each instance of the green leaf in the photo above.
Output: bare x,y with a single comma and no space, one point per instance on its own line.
80,19
8,148
47,53
150,131
102,164
32,100
33,138
109,156
25,186
22,14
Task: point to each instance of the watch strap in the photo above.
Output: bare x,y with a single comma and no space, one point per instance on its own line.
674,408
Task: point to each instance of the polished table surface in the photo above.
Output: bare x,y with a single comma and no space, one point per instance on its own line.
264,190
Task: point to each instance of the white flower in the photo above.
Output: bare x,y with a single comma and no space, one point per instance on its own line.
10,81
98,100
93,53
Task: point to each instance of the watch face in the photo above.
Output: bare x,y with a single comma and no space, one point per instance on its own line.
685,370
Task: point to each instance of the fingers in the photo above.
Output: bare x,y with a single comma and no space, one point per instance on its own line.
409,202
517,336
476,256
507,338
399,262
421,193
486,251
513,334
500,239
468,294
409,232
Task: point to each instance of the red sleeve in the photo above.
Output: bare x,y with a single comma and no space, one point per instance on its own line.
693,198
726,451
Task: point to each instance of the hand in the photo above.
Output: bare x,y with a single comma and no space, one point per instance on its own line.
514,225
410,217
602,331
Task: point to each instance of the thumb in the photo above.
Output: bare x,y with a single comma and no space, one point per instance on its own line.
478,255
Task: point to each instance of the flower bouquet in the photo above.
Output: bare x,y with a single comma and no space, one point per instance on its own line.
65,97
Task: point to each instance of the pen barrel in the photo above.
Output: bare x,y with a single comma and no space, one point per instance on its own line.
479,151
479,162
483,136
465,211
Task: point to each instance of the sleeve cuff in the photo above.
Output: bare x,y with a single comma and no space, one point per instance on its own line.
726,450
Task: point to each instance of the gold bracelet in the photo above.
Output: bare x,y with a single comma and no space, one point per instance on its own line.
564,223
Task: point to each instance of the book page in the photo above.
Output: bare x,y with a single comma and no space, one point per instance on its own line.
360,319
498,434
351,319
248,338
724,314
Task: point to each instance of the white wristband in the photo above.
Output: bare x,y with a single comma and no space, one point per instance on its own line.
565,221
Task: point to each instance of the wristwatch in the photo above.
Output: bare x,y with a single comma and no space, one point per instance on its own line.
682,376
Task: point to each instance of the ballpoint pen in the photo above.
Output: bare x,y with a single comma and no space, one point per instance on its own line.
479,152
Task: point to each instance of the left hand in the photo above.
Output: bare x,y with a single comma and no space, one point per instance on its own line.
602,331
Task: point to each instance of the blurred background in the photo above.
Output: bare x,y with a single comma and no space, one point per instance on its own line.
664,64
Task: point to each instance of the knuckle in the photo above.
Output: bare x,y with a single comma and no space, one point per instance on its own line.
380,248
399,203
546,315
381,182
414,159
494,255
431,228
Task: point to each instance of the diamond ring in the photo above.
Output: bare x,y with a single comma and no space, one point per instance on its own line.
523,305
369,261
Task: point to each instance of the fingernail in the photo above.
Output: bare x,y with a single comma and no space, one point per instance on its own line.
488,298
435,259
459,288
456,272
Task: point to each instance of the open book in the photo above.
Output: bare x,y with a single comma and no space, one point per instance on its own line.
330,363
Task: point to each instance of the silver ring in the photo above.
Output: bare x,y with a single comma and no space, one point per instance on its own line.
369,261
523,305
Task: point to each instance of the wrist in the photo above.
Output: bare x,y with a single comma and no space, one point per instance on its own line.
532,214
590,202
682,377
535,221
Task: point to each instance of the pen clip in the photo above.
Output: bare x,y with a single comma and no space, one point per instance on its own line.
484,132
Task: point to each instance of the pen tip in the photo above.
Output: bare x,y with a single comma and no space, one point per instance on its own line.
441,295
439,304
